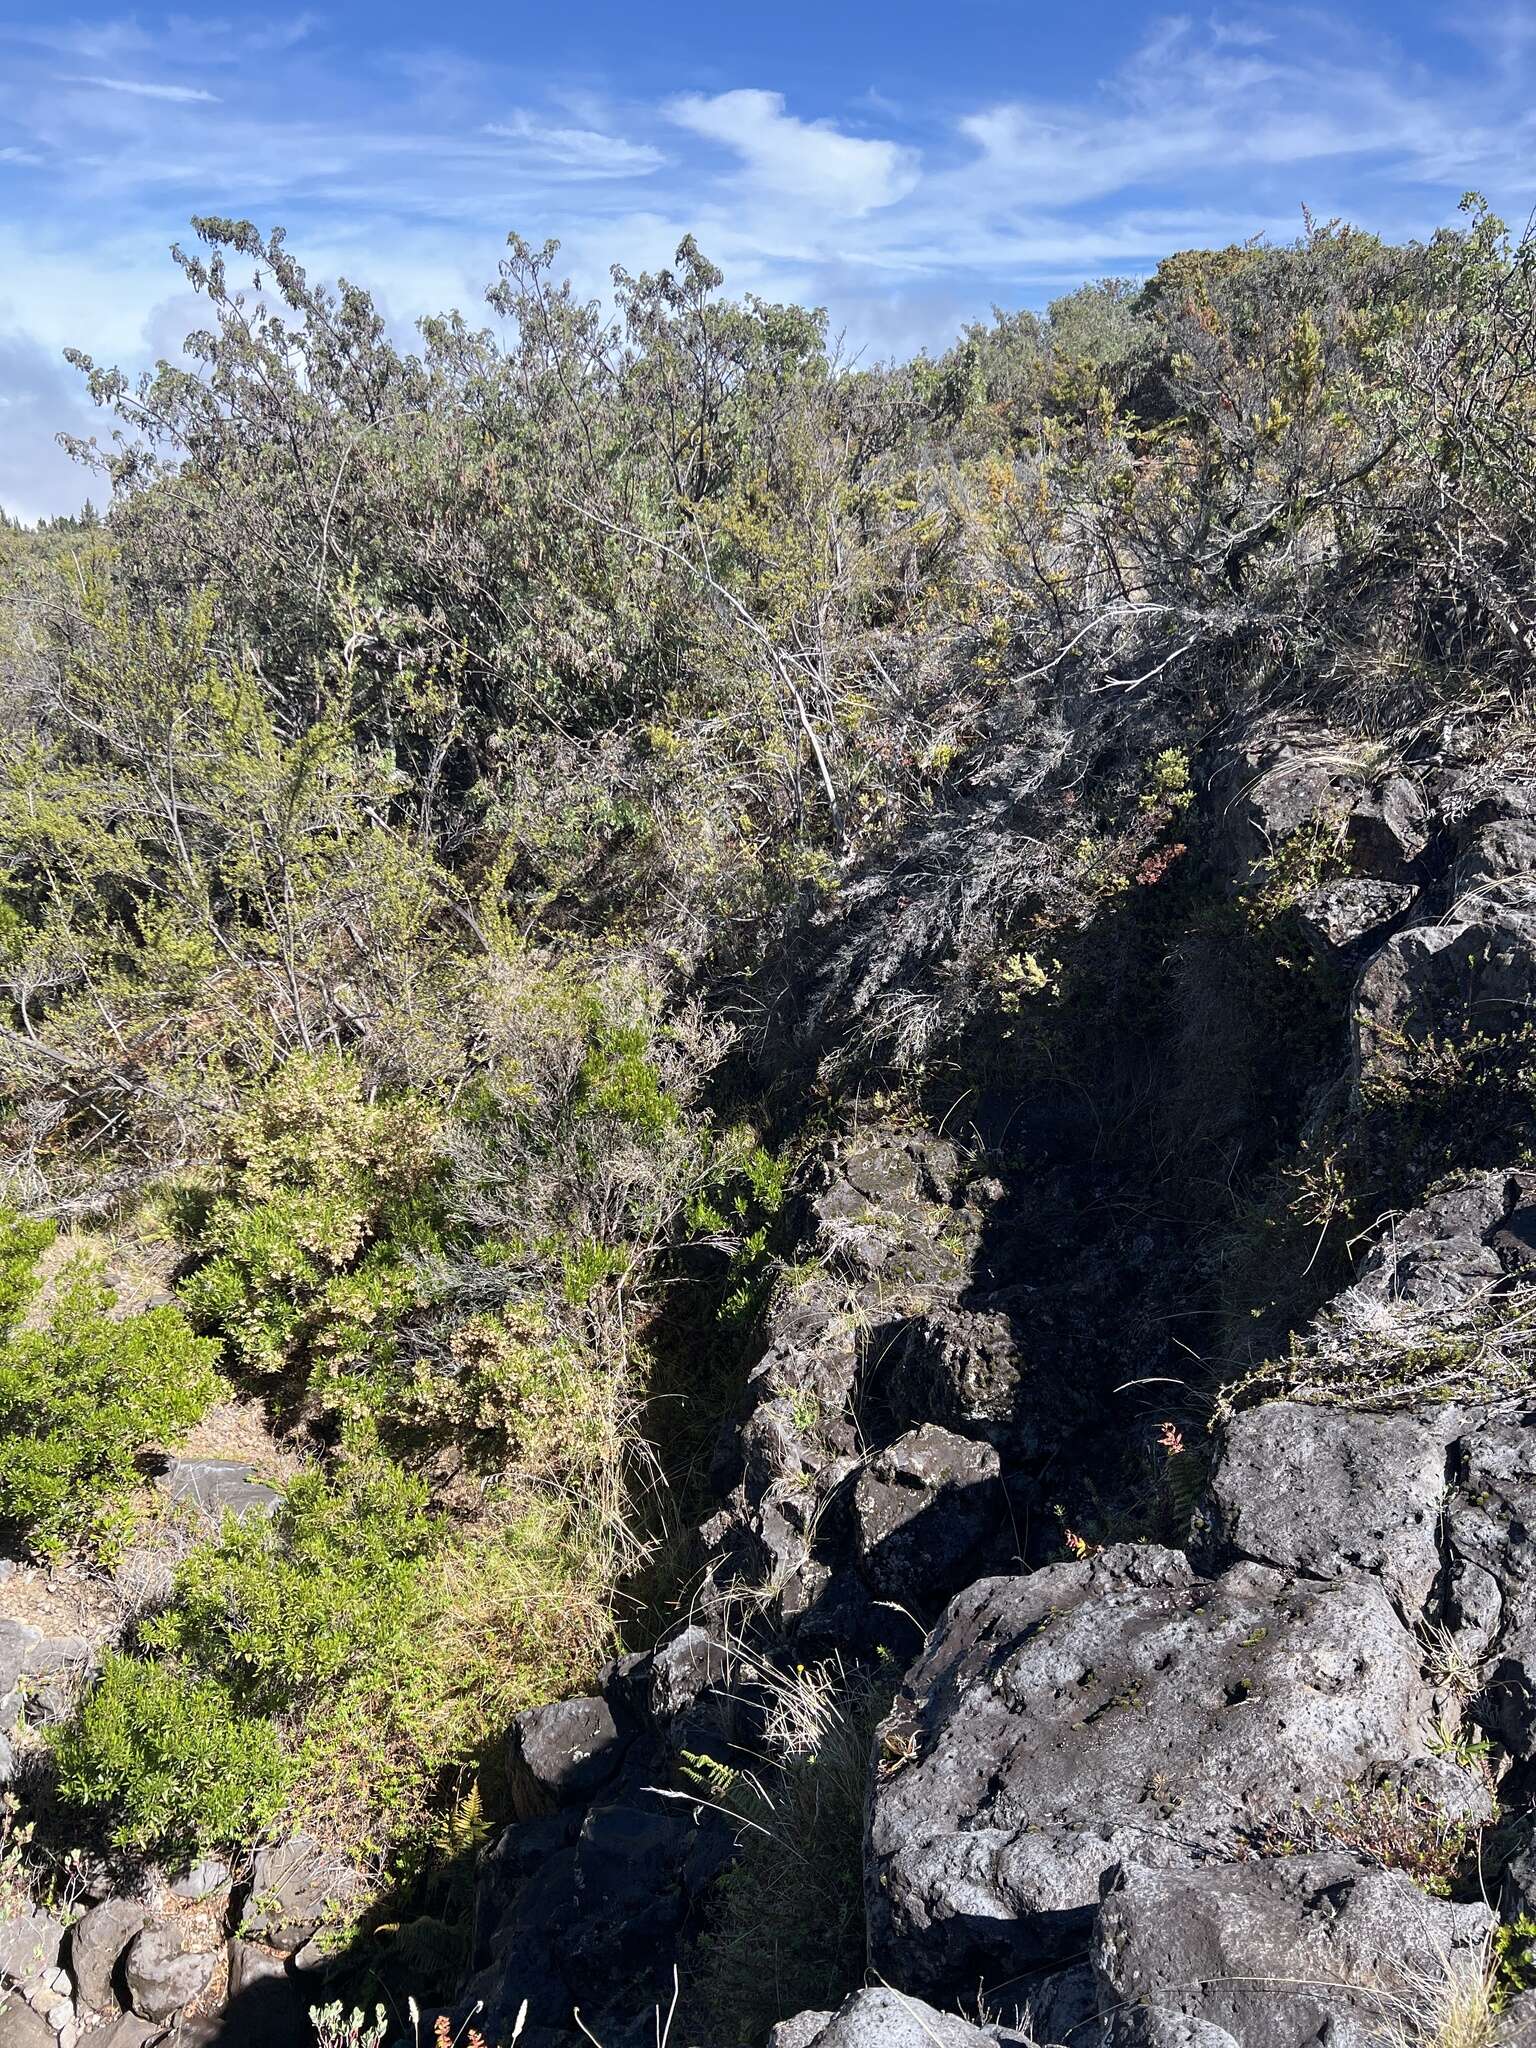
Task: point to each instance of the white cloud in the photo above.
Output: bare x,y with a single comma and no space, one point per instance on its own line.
401,167
587,152
807,160
144,90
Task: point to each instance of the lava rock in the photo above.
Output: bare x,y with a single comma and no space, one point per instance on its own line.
265,2004
1444,982
1455,1248
1116,1711
30,1946
1339,915
163,1974
1282,1952
294,1886
1330,1490
923,1508
1387,830
96,1943
1494,855
567,1751
1488,1517
680,1670
1284,773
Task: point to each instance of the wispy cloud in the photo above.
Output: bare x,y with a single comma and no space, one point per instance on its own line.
143,89
905,211
588,152
806,160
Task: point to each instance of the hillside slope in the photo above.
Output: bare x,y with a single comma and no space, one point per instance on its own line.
771,1148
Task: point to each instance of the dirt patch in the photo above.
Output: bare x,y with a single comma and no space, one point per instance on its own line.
59,1600
239,1430
140,1275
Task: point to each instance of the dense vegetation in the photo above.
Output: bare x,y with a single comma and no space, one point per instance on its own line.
418,796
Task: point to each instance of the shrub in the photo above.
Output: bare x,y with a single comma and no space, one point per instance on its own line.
285,1605
325,1194
82,1397
517,1399
21,1244
168,1759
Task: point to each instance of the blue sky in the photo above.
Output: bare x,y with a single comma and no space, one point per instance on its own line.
905,164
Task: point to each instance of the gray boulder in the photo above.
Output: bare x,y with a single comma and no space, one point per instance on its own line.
164,1973
202,1879
294,1887
881,2018
95,1946
21,2027
1445,982
1284,1952
219,1486
30,1946
1322,1491
1113,1712
922,1508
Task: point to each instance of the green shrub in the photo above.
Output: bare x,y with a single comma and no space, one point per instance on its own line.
285,1605
167,1759
519,1401
22,1242
82,1397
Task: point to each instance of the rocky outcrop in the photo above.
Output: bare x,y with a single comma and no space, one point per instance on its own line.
1280,1952
1232,1789
1118,1712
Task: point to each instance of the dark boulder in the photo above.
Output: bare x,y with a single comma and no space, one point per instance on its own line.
924,1506
564,1752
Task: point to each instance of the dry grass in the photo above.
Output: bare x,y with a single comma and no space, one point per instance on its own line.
787,1927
